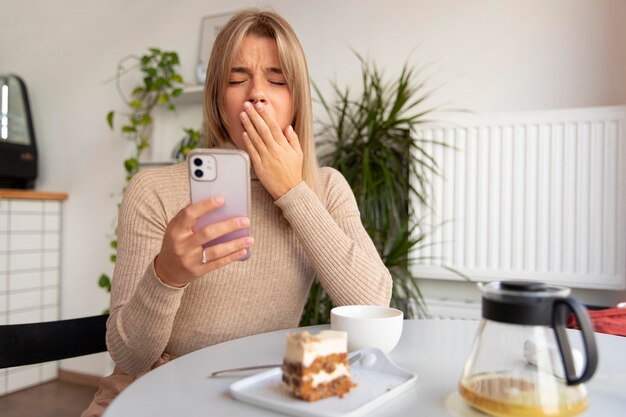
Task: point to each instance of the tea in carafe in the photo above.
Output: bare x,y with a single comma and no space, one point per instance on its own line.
517,395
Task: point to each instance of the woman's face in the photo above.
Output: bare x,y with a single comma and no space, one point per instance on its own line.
256,75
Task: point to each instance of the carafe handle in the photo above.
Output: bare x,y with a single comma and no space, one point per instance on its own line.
559,314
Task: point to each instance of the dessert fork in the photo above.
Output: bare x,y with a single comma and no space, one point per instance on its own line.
351,359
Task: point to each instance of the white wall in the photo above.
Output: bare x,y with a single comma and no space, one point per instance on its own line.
487,55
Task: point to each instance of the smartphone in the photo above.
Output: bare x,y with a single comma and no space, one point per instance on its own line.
224,172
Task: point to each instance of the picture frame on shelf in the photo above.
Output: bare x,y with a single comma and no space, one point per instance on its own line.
209,28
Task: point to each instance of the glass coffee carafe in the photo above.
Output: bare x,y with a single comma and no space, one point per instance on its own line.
521,363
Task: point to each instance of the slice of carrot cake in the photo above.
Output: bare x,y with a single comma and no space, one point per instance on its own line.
316,366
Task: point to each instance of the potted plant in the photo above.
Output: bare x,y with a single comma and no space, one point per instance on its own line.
371,139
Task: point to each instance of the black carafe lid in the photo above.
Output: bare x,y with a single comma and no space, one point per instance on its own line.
521,302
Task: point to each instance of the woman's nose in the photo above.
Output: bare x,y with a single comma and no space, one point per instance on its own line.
257,93
257,100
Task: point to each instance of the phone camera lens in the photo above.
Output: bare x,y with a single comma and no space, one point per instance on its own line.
197,162
199,173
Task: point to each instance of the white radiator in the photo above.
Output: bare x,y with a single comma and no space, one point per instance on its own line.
538,196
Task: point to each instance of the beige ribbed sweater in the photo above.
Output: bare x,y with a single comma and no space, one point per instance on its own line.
265,293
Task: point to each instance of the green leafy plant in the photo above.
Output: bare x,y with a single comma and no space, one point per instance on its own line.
371,138
160,83
190,141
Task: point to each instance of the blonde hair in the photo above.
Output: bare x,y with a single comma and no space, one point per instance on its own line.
227,43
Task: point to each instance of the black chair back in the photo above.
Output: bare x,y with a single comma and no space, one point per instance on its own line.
26,344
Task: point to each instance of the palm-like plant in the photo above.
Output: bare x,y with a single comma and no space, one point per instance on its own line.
371,138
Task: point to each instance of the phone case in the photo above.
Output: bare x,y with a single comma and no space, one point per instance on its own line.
224,172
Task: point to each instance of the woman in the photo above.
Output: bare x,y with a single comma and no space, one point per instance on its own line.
165,301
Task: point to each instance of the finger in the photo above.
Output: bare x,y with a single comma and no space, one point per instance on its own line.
218,229
252,152
293,139
223,261
271,122
260,125
224,249
188,216
253,134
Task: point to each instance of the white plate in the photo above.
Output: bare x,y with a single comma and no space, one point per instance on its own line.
378,380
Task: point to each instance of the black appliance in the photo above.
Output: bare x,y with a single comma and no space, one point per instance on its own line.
18,148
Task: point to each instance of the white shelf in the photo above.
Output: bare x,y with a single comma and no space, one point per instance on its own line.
168,128
191,95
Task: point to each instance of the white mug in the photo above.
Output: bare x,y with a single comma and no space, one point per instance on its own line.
368,326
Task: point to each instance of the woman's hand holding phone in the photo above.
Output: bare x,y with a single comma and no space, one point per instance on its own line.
276,155
178,263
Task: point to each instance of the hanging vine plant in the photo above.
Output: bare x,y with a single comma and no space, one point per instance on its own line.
161,82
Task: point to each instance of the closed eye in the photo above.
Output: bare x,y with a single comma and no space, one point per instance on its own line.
278,82
235,82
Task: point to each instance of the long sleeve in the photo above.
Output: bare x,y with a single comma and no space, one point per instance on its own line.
142,307
336,243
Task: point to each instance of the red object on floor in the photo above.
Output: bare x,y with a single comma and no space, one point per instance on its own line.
610,320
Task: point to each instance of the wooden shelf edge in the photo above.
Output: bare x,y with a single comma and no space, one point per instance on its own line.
31,195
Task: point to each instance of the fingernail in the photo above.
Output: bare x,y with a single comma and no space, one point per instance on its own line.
243,221
248,241
259,106
243,253
218,199
243,116
247,106
290,129
245,136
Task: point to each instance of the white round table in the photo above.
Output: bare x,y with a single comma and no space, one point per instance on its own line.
435,350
